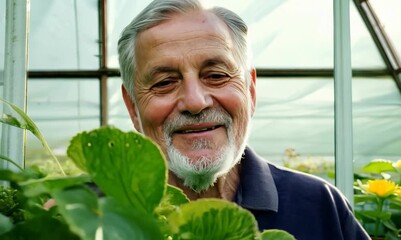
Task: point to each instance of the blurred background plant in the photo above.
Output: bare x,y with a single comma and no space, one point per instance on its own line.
377,190
378,198
318,166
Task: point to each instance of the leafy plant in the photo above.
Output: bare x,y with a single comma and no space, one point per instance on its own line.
137,202
10,205
378,199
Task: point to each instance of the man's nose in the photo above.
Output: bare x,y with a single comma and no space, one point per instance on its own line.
194,97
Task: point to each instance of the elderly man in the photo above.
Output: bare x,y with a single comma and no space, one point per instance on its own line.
188,85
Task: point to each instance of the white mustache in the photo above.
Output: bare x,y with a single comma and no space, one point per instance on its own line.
215,115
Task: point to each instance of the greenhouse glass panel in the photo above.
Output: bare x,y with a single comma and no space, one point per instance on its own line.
389,14
376,118
294,121
64,35
118,113
61,108
364,53
283,34
2,39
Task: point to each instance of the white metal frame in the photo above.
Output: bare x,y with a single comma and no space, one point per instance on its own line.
343,99
15,76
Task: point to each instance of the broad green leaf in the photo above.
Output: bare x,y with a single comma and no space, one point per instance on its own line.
13,121
392,236
171,202
26,174
390,225
28,124
76,152
46,185
373,215
126,166
378,166
5,224
42,227
276,235
212,219
361,198
175,196
93,218
396,203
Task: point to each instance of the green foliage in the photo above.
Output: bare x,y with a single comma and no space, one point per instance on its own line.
276,234
138,202
379,166
25,122
10,204
197,220
378,198
114,158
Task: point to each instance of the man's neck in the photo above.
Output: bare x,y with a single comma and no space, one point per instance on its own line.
225,187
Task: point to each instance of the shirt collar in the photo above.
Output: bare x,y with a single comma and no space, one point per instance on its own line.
257,189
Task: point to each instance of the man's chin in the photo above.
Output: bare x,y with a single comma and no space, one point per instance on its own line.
200,174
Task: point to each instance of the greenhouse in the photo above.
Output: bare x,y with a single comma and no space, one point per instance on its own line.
328,88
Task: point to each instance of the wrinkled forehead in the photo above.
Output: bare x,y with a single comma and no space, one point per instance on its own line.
185,25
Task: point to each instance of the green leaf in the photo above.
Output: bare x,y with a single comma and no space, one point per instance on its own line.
374,215
106,218
362,198
276,235
30,125
392,236
13,121
171,202
26,174
46,185
396,203
175,196
390,225
212,219
5,224
378,166
42,227
126,166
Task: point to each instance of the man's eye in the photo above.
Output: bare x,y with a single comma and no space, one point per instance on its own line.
219,77
164,85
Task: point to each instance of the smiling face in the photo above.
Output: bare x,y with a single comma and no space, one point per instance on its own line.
191,96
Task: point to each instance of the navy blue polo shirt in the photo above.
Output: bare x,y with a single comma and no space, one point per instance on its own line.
304,205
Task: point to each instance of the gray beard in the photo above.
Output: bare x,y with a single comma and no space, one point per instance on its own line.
200,174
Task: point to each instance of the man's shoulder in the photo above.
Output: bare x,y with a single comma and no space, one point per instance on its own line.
297,179
304,185
281,172
287,181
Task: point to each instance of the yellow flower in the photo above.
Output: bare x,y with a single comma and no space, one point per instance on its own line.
381,187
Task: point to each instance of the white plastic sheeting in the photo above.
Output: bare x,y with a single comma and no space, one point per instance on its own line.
291,112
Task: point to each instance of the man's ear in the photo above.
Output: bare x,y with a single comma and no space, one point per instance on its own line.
129,103
252,89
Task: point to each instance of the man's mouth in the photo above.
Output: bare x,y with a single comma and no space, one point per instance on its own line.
186,131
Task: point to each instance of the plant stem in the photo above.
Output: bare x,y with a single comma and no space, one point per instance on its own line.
30,125
11,161
378,220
